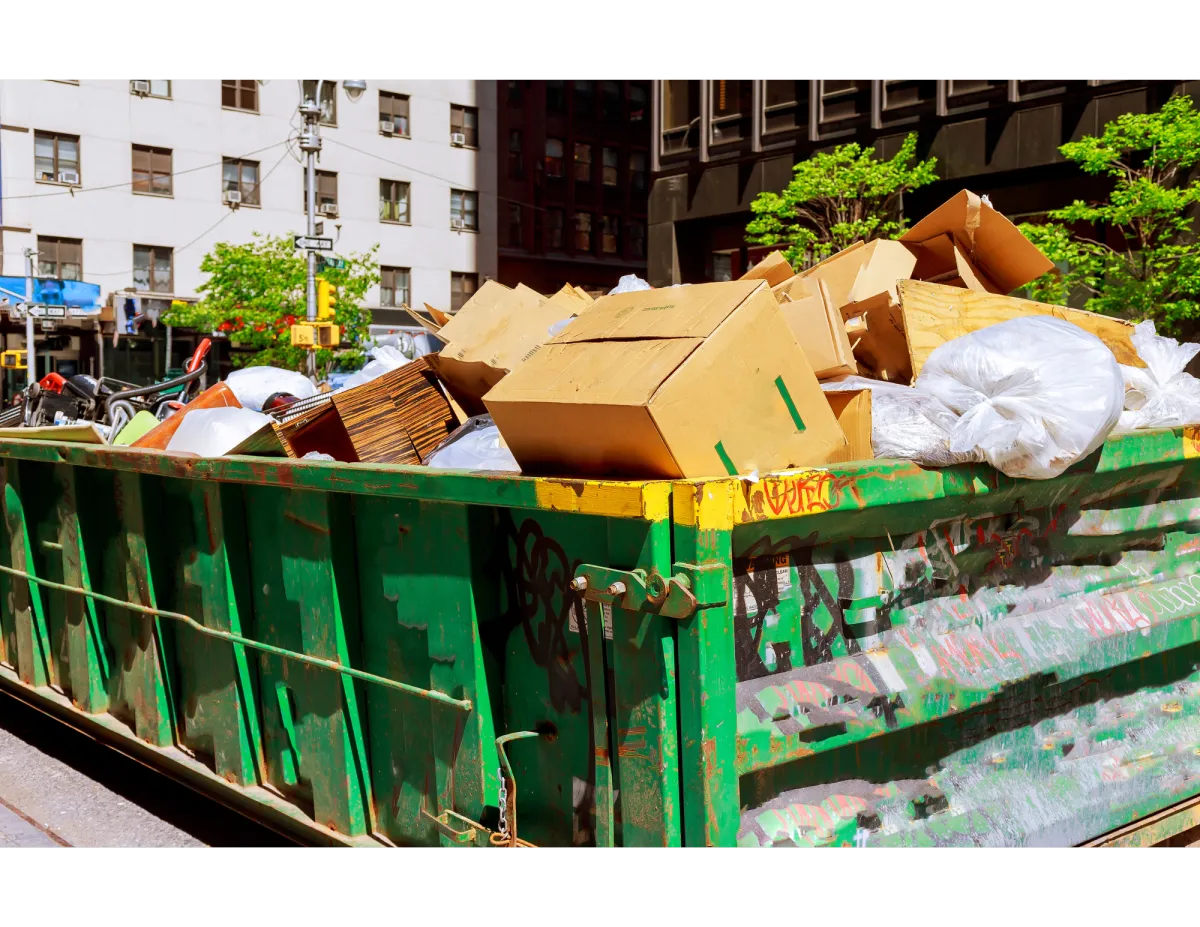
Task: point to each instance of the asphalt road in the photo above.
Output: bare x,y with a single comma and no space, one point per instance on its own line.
59,787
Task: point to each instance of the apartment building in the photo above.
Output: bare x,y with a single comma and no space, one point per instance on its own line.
718,143
129,183
573,173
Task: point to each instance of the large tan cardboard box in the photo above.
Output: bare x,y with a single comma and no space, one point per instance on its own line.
1001,258
817,325
491,334
686,382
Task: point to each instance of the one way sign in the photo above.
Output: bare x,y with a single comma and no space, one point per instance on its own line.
310,243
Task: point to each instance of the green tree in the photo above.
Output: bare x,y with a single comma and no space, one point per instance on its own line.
1154,270
256,290
838,197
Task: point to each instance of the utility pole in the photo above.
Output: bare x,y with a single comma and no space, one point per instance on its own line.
310,144
30,353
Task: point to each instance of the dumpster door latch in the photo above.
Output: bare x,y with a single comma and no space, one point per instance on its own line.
636,590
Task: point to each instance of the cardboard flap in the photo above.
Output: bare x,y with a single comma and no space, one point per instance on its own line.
432,327
502,331
472,320
987,238
672,312
605,373
774,268
439,317
883,264
839,272
819,330
795,288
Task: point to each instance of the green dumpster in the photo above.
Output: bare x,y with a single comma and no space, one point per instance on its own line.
870,654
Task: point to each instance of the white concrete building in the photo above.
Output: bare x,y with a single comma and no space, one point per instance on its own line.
127,183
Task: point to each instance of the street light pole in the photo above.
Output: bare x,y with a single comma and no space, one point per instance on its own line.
310,144
30,352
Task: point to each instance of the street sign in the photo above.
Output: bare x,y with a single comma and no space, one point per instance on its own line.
311,243
48,312
331,263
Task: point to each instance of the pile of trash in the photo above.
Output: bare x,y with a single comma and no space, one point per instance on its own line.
902,349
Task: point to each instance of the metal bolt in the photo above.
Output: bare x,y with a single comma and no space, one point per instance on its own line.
579,583
616,589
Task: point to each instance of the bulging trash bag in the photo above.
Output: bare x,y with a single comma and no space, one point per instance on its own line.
1161,395
384,359
1033,394
630,283
474,445
253,386
213,432
908,423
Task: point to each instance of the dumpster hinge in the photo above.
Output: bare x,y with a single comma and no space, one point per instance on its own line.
639,591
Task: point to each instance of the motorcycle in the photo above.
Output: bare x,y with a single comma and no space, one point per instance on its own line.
58,400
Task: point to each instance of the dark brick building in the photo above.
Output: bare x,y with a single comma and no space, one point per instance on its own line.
574,176
717,144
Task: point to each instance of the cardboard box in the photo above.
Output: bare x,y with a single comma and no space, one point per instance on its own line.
817,325
864,273
698,381
774,268
999,257
491,334
852,408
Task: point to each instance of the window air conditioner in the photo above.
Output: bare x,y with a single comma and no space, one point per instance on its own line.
233,197
387,127
456,224
71,177
140,87
329,209
458,139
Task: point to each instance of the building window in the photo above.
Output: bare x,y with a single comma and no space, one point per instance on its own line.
393,201
583,231
610,100
240,94
516,92
393,110
611,156
464,121
637,238
904,96
639,99
393,286
785,105
680,115
965,92
328,101
730,105
516,154
56,158
609,234
464,210
583,162
843,101
157,88
556,96
554,228
60,257
152,170
554,157
637,171
462,288
1031,89
584,98
326,190
152,269
514,225
722,266
240,176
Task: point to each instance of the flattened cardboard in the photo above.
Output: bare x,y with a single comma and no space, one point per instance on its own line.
817,325
774,268
694,382
852,408
990,242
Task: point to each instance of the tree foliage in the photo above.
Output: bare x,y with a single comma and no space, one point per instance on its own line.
256,290
837,198
1154,270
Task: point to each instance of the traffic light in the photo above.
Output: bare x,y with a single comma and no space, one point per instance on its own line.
326,300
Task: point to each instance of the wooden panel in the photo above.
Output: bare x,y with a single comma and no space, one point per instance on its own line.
934,314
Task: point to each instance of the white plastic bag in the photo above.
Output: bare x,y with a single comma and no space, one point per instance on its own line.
213,432
629,284
384,359
475,445
253,386
1034,394
1161,395
908,423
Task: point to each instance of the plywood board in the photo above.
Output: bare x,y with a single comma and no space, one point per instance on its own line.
934,314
